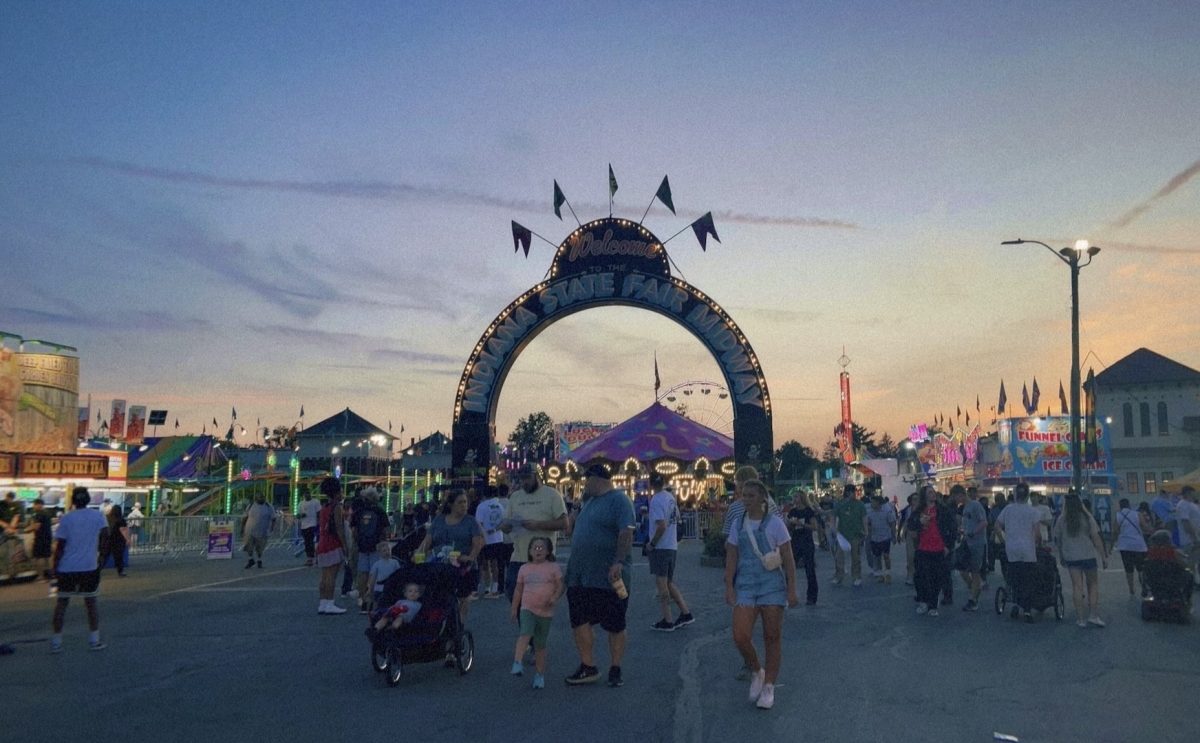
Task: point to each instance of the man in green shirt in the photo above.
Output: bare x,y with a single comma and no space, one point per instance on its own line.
850,515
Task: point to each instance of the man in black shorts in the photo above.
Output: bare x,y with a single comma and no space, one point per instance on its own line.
82,537
662,544
598,573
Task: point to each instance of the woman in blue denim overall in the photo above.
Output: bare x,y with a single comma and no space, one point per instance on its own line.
753,590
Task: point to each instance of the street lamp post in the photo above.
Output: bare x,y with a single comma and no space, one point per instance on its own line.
1071,256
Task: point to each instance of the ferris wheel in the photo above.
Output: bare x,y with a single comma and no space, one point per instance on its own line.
706,403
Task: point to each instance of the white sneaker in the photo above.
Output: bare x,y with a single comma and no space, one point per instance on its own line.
757,679
922,608
858,581
766,699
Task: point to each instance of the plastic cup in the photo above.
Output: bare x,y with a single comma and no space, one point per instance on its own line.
418,558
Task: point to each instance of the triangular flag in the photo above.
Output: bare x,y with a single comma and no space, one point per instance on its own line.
612,182
214,421
301,411
959,414
968,419
235,413
229,433
1003,399
521,238
1062,398
559,199
657,380
1025,399
703,227
98,417
401,428
176,424
1035,395
663,194
976,403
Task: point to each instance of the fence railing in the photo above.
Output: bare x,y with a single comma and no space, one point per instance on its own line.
172,536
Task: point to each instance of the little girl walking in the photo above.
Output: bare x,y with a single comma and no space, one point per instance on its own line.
539,586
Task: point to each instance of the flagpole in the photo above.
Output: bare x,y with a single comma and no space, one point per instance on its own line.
573,214
553,245
643,219
677,234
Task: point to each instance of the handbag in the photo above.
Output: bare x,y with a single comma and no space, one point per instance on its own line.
771,560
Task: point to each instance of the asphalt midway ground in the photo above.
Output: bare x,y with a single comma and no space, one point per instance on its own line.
202,650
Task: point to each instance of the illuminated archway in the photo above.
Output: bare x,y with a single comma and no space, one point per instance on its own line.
609,262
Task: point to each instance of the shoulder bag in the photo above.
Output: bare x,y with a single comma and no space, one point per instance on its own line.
771,560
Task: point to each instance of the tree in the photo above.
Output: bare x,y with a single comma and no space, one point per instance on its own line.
887,447
796,461
534,434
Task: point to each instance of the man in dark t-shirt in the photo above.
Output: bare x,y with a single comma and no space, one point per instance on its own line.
39,525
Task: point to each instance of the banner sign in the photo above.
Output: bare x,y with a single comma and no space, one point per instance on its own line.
1041,447
220,540
8,465
136,430
62,466
949,451
116,421
571,435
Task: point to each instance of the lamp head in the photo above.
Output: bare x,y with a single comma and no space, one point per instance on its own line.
1018,241
1092,251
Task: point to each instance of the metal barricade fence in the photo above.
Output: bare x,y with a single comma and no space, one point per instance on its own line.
172,536
696,524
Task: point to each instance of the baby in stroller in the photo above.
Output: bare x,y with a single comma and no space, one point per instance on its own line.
404,610
1168,582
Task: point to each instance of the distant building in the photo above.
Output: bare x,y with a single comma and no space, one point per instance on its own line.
429,453
345,440
1151,405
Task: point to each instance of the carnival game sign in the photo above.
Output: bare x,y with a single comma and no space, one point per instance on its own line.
573,434
604,263
39,395
949,451
1041,447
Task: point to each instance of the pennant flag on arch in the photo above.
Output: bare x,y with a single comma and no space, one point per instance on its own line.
521,238
703,227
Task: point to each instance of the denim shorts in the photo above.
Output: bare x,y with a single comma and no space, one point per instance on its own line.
366,560
1084,565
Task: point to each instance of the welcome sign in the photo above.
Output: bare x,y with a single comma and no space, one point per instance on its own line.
604,263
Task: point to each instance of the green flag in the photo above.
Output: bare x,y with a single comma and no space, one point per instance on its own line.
664,195
521,238
612,182
559,199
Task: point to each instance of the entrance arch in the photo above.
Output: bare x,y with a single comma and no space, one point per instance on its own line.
609,262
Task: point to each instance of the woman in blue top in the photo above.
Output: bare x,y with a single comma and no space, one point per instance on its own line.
753,590
455,530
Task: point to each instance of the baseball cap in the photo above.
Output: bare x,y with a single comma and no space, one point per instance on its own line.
598,470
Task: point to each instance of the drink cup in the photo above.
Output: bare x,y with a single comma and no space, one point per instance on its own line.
418,558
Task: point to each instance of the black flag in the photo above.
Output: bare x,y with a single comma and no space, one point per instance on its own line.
301,411
522,237
559,199
176,424
1035,396
612,183
663,194
1062,399
214,421
703,227
235,413
1003,399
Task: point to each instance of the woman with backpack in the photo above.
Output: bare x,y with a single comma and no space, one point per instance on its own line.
330,549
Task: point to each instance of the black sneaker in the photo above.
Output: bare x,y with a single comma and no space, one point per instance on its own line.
584,675
614,677
971,605
249,565
663,625
1014,612
684,620
260,563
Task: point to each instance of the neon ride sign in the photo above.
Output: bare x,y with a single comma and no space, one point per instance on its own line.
609,262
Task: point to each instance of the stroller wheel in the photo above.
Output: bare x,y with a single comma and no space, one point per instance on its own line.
395,665
379,656
1060,605
465,652
1001,599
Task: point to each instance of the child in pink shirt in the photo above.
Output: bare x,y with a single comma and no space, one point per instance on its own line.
539,586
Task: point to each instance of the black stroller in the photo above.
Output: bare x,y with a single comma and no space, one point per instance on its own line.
1168,587
1045,592
436,633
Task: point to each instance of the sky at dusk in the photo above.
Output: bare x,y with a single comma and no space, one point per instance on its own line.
268,205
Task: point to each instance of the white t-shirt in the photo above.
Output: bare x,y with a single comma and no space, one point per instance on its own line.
1186,511
489,514
381,571
1129,532
80,529
1018,521
776,529
309,513
543,504
664,508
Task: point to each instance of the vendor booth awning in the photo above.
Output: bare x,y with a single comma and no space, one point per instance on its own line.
656,433
178,458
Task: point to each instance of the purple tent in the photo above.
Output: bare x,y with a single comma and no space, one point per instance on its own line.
657,433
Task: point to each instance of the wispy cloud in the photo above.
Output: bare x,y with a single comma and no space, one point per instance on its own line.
78,318
375,346
1152,249
395,191
1178,181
